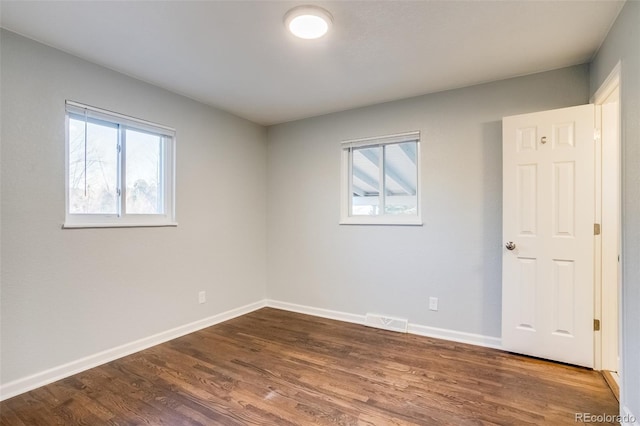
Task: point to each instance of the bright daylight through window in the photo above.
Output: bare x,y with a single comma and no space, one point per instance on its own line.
380,180
120,170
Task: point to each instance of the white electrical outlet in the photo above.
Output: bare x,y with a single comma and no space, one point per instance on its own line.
202,297
433,303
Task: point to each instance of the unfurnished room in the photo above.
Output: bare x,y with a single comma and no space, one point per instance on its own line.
334,212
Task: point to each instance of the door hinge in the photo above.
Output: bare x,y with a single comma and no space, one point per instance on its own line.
596,325
597,135
596,229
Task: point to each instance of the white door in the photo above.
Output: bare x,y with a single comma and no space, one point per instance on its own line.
548,230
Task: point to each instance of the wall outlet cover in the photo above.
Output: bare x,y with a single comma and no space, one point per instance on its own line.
433,303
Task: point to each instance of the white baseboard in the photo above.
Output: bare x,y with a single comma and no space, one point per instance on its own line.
42,378
628,418
422,330
456,336
34,381
317,312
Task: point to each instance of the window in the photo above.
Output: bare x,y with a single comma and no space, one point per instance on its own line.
380,180
119,171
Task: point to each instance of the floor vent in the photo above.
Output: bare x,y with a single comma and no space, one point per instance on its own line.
387,323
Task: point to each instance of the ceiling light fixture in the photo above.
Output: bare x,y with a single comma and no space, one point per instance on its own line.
308,22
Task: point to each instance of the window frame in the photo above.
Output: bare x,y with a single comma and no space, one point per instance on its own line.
167,166
346,193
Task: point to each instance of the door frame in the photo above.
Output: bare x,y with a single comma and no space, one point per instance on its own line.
602,309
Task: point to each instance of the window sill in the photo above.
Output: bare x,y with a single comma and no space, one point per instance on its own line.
118,225
384,221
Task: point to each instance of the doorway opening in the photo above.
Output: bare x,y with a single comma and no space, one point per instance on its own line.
608,248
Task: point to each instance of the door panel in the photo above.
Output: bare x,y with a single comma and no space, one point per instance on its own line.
548,212
527,198
527,293
564,198
563,297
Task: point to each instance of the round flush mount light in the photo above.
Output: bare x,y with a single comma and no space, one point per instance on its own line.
308,22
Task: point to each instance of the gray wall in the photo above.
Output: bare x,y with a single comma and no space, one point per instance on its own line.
67,294
623,43
392,270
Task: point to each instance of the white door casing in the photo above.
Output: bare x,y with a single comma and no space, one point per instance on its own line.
548,214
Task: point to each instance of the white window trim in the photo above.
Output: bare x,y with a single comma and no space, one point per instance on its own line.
132,220
345,182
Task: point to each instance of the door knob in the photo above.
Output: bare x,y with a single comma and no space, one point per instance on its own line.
510,245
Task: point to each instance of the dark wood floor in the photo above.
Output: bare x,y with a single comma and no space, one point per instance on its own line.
281,368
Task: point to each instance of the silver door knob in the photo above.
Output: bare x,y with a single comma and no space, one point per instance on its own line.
510,245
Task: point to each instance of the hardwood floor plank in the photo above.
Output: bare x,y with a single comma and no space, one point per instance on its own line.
282,368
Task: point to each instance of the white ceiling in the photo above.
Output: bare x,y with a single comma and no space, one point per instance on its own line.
236,55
